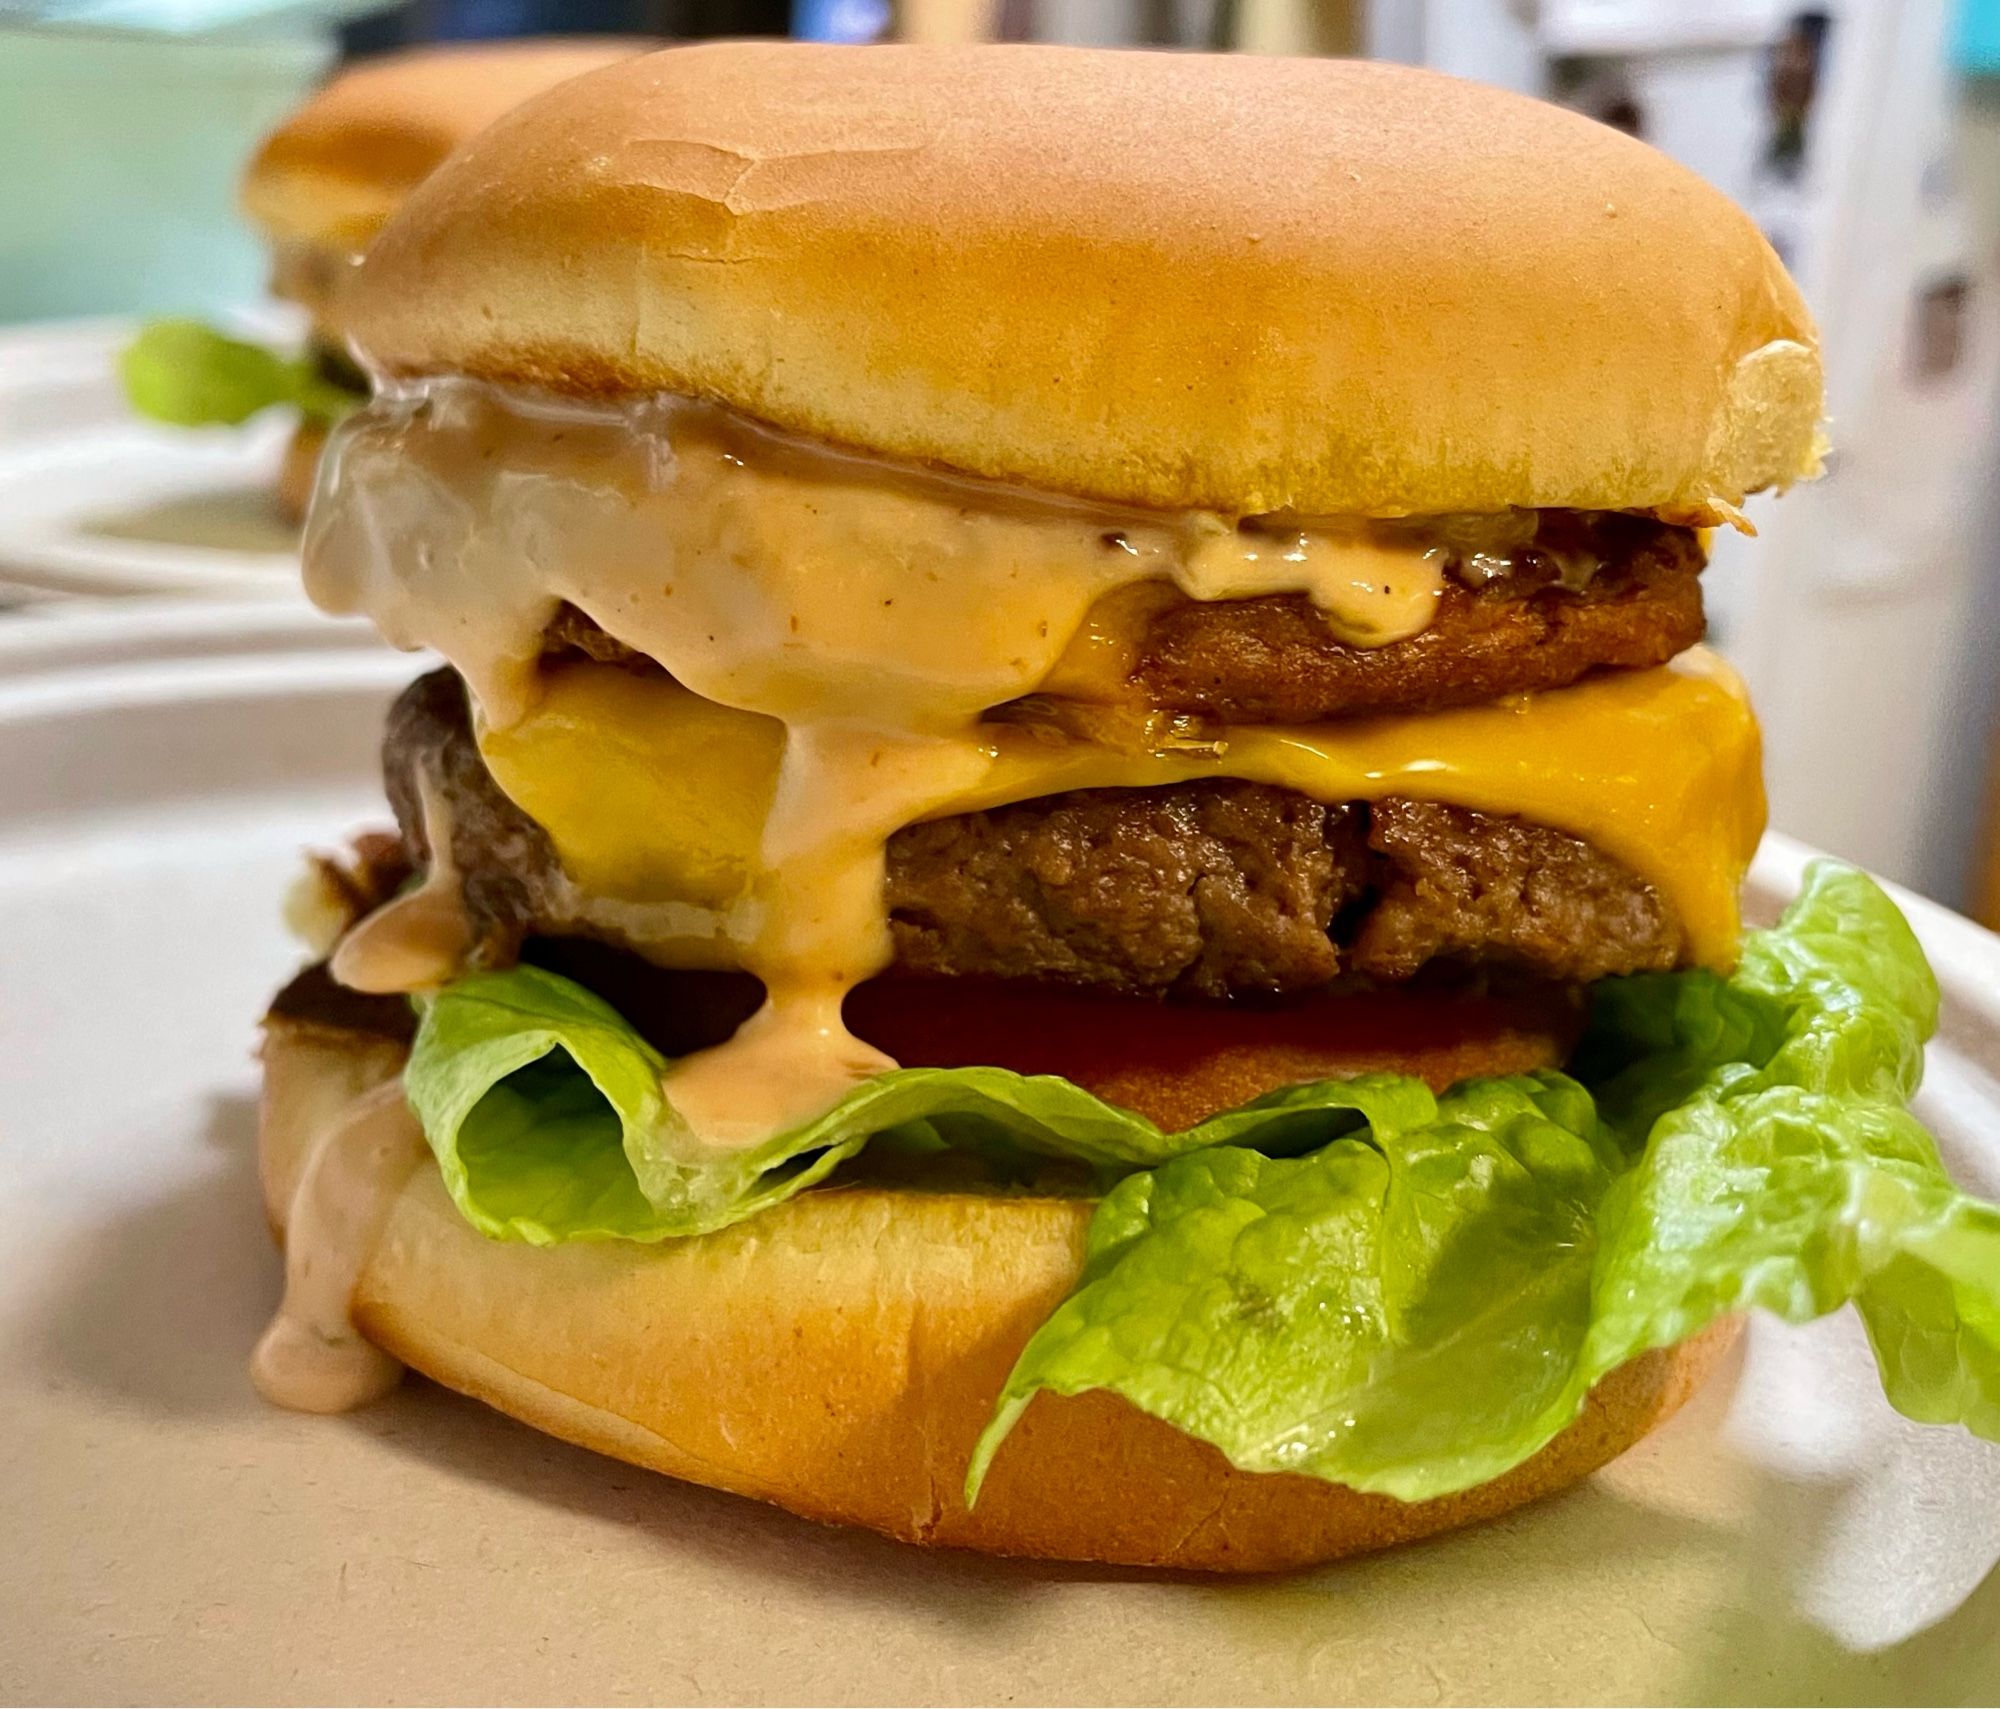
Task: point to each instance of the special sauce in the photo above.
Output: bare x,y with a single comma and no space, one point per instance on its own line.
312,1358
416,941
867,615
875,613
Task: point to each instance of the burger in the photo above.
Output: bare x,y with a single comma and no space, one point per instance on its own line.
318,190
1072,885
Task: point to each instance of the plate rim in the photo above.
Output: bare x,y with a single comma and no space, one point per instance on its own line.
73,361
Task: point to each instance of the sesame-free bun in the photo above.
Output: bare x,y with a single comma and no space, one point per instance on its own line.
332,173
838,1355
1238,283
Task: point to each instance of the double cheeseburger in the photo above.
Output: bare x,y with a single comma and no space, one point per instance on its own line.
318,189
1072,885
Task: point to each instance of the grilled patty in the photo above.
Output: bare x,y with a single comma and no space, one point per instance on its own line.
1207,890
1274,661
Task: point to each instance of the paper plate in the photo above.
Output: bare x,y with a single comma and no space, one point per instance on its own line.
168,1537
95,501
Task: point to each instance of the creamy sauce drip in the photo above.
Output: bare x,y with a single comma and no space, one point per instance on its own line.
778,576
788,1063
875,611
1375,590
312,1358
419,940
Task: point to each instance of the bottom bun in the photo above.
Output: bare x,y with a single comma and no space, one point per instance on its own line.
839,1355
300,470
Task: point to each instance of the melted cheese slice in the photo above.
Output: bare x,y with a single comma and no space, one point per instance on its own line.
651,794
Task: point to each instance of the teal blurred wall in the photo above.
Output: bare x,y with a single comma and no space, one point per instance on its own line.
118,164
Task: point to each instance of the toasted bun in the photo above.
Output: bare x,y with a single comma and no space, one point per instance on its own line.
300,469
342,163
839,1355
1235,283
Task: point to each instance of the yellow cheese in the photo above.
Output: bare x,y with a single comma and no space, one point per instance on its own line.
652,793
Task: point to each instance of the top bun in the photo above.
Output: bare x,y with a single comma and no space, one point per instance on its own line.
1231,283
334,172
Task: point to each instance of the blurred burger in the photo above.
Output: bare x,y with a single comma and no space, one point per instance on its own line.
1075,768
318,190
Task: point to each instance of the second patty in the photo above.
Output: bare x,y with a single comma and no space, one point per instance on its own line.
1204,890
1597,591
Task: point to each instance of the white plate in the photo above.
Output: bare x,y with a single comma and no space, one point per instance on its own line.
166,1536
95,501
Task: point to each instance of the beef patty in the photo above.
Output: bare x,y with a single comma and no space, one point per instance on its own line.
1538,625
1210,889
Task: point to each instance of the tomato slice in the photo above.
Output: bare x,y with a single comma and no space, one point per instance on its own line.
1179,1062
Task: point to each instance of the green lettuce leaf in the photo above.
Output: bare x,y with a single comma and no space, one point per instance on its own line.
1419,1307
190,375
546,1114
1358,1280
545,1111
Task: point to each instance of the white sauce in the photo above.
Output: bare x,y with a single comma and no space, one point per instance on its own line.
785,1065
419,940
312,1358
764,572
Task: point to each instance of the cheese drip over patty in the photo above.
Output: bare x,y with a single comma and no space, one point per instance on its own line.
835,629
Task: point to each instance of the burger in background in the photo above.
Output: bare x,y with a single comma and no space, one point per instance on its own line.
318,189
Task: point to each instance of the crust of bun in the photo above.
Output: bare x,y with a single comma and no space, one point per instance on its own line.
1233,283
334,171
839,1355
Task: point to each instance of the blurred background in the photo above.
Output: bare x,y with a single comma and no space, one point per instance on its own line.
1864,137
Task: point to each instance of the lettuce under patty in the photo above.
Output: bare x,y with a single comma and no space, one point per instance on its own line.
1357,1280
190,375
